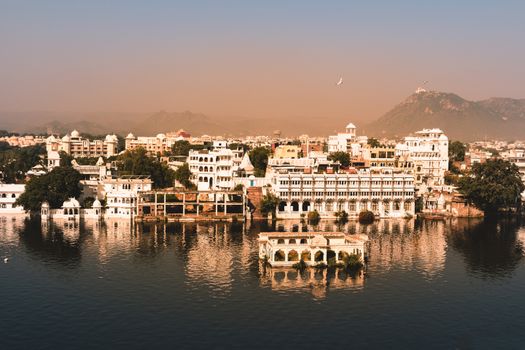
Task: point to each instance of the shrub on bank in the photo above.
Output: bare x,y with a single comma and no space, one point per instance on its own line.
366,217
314,217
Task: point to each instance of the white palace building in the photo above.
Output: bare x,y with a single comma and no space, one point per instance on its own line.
387,194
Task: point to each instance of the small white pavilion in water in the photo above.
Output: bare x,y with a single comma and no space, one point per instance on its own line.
288,248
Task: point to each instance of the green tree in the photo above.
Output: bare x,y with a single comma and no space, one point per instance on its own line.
456,151
493,185
342,157
16,161
183,174
259,158
137,162
54,187
65,158
269,204
374,143
181,148
236,145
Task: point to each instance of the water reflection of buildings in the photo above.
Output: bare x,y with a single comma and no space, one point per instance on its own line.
393,243
406,246
9,226
316,281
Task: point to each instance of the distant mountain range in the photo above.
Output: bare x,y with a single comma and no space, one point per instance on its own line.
502,118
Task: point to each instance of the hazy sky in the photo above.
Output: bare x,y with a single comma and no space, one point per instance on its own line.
255,58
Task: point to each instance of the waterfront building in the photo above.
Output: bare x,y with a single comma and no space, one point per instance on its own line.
212,169
71,211
387,194
428,150
177,204
121,195
9,193
288,248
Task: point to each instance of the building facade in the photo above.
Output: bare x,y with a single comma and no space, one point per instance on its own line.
386,194
121,195
9,193
212,169
428,151
78,147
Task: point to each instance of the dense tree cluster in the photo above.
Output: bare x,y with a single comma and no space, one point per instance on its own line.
374,143
54,187
16,161
456,151
137,162
342,157
493,185
269,204
259,159
183,174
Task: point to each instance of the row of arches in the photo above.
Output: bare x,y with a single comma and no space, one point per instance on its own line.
292,241
206,169
306,255
4,195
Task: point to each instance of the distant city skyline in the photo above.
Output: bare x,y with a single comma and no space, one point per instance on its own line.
255,59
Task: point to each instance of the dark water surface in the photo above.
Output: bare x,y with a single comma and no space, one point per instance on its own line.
459,284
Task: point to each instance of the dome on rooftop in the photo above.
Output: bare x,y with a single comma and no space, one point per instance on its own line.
350,126
161,136
130,136
75,133
66,138
97,204
71,203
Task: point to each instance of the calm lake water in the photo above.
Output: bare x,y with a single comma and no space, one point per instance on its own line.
429,284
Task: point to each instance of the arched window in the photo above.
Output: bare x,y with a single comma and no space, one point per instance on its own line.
303,241
279,255
280,241
306,255
293,256
292,241
295,206
319,256
306,206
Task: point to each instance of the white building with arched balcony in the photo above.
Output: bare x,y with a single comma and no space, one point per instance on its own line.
9,193
212,170
387,194
288,248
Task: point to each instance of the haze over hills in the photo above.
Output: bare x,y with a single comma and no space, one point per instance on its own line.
502,118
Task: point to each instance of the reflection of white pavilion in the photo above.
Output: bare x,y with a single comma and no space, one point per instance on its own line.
287,248
317,281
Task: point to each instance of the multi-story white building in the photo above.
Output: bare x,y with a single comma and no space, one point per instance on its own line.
78,147
212,169
428,151
342,142
386,193
121,195
9,193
